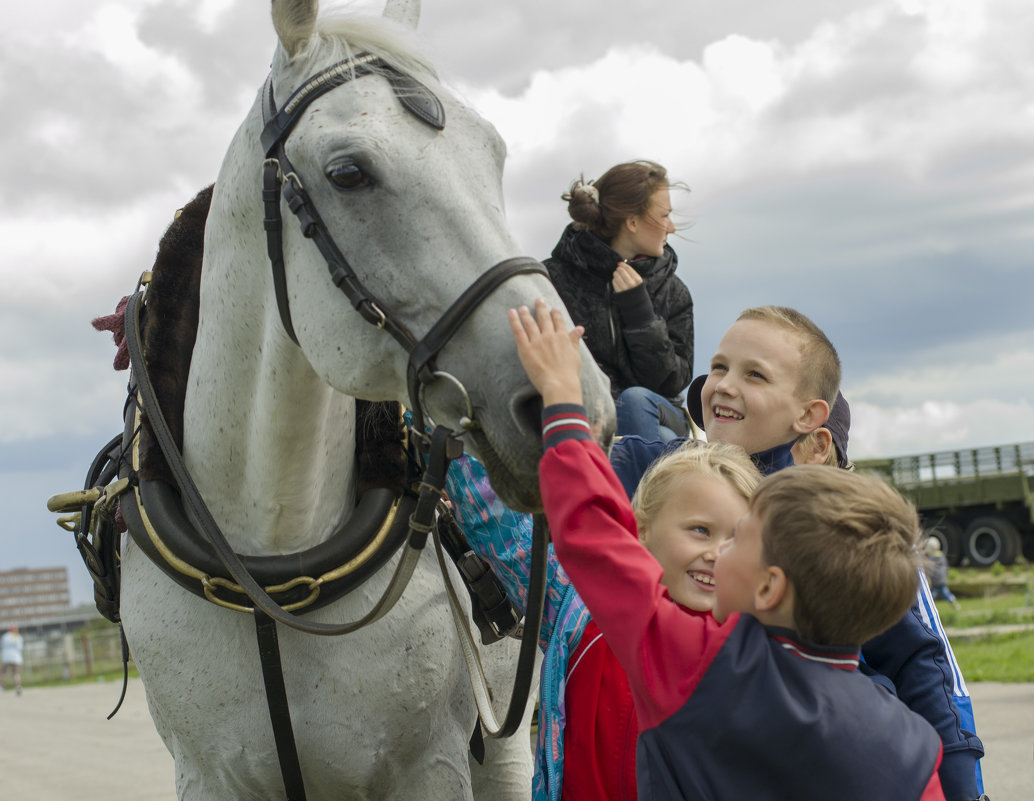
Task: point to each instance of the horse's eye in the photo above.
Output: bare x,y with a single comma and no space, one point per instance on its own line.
348,175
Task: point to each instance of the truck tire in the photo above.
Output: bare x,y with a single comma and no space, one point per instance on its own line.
991,539
950,535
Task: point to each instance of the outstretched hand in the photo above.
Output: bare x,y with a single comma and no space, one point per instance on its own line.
549,352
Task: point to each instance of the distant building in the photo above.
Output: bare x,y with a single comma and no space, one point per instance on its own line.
28,594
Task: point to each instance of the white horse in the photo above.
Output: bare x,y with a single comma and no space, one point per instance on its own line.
385,712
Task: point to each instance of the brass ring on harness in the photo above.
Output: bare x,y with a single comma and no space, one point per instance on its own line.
212,584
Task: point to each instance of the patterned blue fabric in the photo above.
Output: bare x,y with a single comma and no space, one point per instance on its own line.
503,538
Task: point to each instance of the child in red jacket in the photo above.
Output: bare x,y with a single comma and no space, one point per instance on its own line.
685,509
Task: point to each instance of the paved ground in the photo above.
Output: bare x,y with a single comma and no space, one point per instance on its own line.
55,744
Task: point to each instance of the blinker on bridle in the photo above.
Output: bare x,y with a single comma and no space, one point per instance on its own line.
280,177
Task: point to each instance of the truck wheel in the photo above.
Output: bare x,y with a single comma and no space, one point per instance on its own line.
990,540
950,535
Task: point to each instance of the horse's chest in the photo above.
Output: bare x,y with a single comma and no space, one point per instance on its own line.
388,692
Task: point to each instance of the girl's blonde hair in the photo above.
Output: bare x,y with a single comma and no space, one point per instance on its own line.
694,458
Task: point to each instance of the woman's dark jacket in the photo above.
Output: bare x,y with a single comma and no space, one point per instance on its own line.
641,337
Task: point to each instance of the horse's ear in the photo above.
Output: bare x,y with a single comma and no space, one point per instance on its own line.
294,21
405,12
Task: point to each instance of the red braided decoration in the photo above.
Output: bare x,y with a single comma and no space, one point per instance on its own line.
116,324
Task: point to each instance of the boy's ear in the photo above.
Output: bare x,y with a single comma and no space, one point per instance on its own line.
814,413
821,448
823,444
771,593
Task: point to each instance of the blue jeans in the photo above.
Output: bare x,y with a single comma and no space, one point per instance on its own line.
942,591
646,414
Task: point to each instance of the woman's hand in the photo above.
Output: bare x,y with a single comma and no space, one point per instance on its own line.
549,352
625,277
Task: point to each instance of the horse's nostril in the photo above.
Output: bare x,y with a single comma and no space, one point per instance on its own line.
527,412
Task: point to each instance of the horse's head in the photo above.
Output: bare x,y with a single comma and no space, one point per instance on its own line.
415,210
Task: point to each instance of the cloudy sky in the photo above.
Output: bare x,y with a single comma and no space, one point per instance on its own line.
868,162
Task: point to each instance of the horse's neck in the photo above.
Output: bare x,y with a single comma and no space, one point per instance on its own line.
270,444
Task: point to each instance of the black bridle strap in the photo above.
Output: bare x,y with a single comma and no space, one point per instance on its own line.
422,356
416,98
280,177
279,708
278,171
341,272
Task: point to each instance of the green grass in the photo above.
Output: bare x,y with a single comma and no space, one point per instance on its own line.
100,676
992,597
998,657
994,610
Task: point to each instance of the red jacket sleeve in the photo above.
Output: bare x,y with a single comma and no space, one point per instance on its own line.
664,648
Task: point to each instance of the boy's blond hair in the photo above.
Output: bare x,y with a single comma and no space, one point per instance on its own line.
693,458
847,543
820,363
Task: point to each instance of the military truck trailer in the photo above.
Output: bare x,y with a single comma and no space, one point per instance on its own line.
978,502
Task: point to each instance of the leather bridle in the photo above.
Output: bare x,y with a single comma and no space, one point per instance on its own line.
280,177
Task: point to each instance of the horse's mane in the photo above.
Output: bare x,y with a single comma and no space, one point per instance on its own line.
170,330
341,36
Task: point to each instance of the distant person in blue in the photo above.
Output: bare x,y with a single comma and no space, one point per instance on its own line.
11,644
615,272
936,566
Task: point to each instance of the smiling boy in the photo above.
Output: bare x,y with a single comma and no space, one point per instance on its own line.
763,701
772,380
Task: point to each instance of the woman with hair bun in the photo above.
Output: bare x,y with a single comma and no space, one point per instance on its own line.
615,272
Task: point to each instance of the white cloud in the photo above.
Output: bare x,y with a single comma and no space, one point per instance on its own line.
113,33
744,73
871,163
211,13
93,249
977,394
938,426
